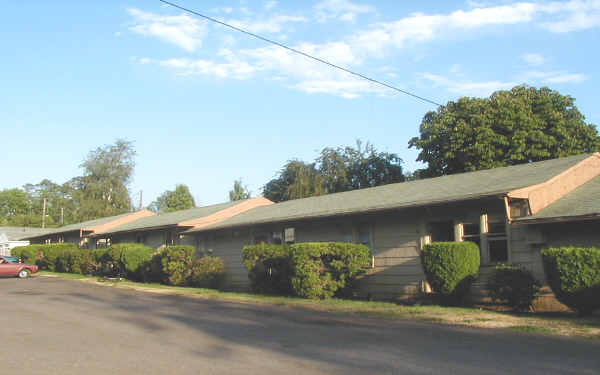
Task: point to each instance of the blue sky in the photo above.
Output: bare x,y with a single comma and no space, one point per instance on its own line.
206,105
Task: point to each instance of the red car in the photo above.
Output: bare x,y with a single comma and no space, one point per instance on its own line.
22,270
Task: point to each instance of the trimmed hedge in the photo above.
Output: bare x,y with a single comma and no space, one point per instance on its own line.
325,269
513,285
309,270
129,260
574,276
269,268
451,268
180,267
45,256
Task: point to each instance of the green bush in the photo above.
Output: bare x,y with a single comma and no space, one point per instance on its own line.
130,260
76,261
574,276
28,254
325,269
207,272
177,264
269,268
180,267
451,268
51,252
514,286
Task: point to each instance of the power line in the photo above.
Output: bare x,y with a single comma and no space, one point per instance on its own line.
301,53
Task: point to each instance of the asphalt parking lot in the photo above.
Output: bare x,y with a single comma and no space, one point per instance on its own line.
56,326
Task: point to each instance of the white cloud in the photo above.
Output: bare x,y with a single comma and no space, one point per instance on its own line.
467,88
271,25
534,59
343,10
270,4
554,77
183,31
571,15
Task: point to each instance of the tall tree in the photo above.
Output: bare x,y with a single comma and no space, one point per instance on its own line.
350,168
15,205
60,207
296,179
518,126
102,190
178,199
239,192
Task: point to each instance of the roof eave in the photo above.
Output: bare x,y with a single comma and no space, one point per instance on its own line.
557,219
347,213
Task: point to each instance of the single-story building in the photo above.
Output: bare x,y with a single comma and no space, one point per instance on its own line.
489,207
11,237
166,229
80,233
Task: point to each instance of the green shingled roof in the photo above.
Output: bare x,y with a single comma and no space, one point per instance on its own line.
172,218
18,233
82,225
455,187
581,202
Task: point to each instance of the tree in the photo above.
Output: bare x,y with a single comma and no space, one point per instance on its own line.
352,168
169,201
60,207
296,179
15,204
512,127
102,190
239,191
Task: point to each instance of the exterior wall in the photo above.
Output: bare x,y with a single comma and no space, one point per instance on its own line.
6,247
395,239
529,240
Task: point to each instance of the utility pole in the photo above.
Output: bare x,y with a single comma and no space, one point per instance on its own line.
44,214
141,192
62,216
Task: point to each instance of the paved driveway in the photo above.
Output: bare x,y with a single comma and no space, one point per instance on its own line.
54,326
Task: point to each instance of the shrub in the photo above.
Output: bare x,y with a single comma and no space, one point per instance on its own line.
324,269
130,260
574,276
207,272
177,264
451,268
180,267
50,253
76,261
514,286
28,254
269,268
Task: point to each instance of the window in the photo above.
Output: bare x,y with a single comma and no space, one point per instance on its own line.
441,231
364,234
277,238
289,235
471,232
140,238
497,242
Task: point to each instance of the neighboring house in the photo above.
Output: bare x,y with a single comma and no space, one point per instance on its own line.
11,237
167,229
488,207
80,233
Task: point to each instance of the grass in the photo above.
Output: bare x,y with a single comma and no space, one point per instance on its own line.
564,324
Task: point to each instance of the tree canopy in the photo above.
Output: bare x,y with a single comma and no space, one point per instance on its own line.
335,170
239,192
512,127
178,199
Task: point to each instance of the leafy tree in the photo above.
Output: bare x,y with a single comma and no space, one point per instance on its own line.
239,191
60,207
512,127
15,207
352,168
178,199
334,171
296,179
102,190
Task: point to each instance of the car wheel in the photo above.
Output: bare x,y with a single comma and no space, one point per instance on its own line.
24,273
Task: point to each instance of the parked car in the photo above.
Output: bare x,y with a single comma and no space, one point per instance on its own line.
12,269
10,259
